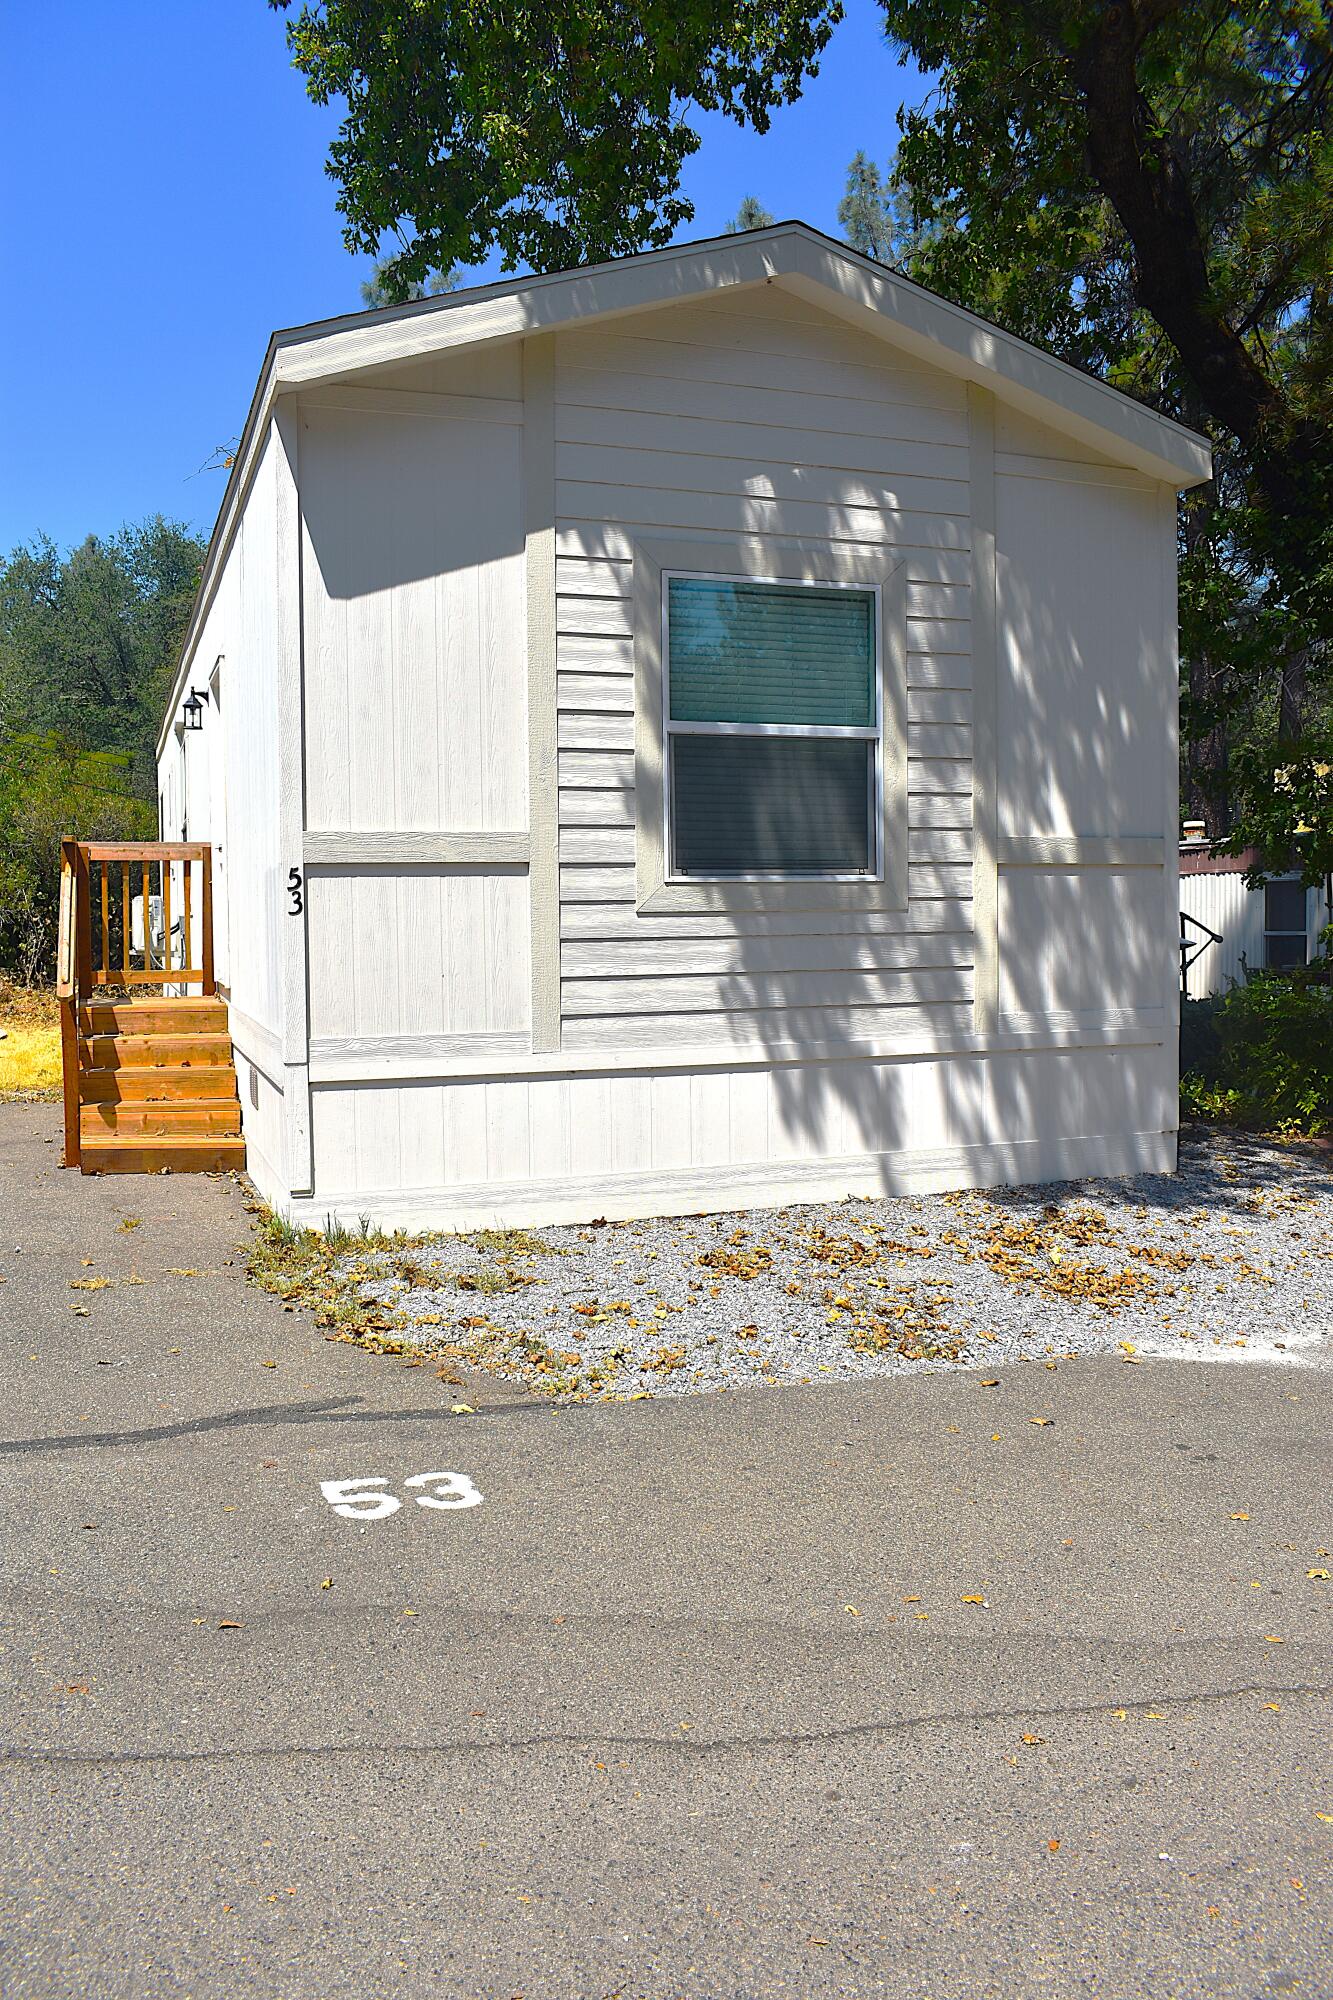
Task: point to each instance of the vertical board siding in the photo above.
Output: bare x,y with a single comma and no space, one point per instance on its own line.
544,1133
414,622
439,951
1081,612
416,704
754,416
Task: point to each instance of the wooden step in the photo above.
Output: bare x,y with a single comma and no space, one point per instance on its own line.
156,1086
187,1118
153,1017
178,1154
154,1051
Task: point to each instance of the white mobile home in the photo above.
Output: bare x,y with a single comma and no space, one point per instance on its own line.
694,732
1228,928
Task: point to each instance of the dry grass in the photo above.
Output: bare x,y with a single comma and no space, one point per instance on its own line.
30,1050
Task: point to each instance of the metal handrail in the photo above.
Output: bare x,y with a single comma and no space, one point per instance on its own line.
1190,951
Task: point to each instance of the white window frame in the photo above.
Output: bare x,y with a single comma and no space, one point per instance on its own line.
1282,882
874,735
827,565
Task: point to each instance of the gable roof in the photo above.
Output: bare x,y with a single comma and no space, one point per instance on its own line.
881,301
874,297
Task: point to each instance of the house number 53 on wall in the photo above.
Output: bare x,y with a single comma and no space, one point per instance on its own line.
359,1499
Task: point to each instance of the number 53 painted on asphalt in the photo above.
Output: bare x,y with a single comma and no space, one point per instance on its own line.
356,1500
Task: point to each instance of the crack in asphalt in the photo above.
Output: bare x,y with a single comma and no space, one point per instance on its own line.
325,1411
12,1754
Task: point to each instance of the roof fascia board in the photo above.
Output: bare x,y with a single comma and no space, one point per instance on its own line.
946,336
636,284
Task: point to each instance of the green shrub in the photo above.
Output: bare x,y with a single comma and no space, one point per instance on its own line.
1264,1057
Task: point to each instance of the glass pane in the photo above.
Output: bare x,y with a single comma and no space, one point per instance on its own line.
1284,906
771,652
757,804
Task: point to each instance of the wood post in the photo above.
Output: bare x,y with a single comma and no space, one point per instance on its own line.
206,922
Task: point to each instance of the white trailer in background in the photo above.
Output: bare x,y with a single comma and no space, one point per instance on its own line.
1227,928
695,731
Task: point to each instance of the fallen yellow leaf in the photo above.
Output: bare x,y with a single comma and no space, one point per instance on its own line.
852,1608
1272,1639
972,1599
1240,1517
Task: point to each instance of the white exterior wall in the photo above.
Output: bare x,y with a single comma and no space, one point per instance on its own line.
719,1058
1224,903
755,415
416,725
239,742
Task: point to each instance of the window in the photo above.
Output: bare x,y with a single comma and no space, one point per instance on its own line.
1284,924
772,726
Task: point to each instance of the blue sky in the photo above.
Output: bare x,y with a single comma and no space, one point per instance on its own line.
165,206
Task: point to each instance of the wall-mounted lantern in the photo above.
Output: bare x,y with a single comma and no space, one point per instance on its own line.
192,712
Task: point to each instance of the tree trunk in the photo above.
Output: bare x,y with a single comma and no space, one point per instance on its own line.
1147,183
1291,695
1208,754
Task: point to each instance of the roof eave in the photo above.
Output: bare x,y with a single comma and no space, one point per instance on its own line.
792,254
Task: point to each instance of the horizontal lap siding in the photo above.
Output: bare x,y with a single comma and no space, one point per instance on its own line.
756,417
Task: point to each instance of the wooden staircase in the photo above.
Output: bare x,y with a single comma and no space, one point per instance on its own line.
157,1088
150,1083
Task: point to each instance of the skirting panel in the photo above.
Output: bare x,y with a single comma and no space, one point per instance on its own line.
691,1191
470,1152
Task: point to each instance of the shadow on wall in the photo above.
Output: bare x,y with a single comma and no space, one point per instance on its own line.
1084,738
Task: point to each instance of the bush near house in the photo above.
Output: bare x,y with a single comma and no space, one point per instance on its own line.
1261,1054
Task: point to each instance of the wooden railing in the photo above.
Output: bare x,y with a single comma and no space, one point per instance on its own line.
131,914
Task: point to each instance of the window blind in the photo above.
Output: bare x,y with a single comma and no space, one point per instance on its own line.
772,804
770,652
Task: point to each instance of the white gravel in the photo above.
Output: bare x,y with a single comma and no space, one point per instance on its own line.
1228,1259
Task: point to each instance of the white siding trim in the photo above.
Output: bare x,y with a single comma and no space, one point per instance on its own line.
1076,850
456,850
352,1058
258,1044
543,791
294,956
406,1058
985,722
884,568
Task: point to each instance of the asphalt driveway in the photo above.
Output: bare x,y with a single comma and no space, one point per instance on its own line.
694,1700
